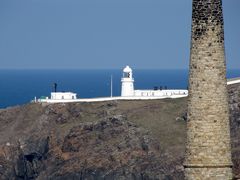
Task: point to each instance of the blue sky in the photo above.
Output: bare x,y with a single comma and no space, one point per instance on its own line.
104,34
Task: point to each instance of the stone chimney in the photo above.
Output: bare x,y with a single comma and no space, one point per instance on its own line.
208,152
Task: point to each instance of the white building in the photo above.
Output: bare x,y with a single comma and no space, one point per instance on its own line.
128,88
161,93
127,82
127,93
63,95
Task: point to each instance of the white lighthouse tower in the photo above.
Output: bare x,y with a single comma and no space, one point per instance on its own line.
127,82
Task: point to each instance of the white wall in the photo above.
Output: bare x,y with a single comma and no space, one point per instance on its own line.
127,87
108,99
159,93
63,95
233,81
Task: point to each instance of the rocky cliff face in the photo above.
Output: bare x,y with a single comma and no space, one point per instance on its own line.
107,140
234,106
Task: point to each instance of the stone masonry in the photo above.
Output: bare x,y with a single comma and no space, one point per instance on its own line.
208,154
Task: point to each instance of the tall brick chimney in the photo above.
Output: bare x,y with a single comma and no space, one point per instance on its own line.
208,152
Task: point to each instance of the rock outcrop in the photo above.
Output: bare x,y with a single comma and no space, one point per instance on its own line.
110,147
234,106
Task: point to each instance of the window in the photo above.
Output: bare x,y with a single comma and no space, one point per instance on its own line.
126,74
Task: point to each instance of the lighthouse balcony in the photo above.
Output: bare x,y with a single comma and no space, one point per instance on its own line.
127,80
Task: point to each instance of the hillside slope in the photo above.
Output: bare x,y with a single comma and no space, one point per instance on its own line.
101,140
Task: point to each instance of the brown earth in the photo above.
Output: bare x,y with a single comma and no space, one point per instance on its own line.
101,140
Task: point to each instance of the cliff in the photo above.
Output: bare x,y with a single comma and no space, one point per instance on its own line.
102,140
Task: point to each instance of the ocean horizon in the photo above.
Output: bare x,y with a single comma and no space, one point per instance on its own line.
20,86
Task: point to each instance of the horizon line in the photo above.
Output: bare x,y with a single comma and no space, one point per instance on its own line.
101,68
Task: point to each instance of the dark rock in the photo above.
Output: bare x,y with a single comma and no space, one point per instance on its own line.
29,163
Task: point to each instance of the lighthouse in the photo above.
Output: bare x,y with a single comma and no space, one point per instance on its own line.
127,82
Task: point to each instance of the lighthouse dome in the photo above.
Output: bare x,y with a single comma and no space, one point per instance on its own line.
127,69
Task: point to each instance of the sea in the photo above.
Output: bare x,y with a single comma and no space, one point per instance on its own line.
19,87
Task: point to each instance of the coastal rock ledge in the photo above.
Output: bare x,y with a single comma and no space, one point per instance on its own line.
111,148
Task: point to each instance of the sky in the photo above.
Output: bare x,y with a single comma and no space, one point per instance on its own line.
105,34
